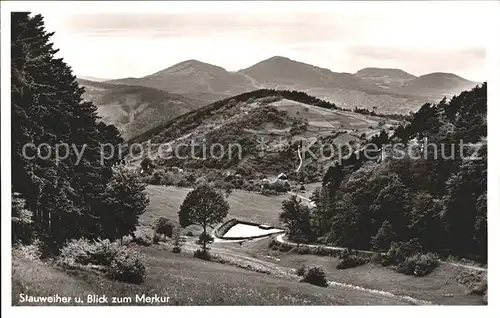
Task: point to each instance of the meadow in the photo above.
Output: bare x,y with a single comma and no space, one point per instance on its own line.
244,205
186,281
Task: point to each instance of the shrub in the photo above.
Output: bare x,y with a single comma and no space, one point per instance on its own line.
282,247
177,240
157,177
323,251
204,255
30,252
302,250
143,237
157,238
385,235
189,233
399,251
480,287
301,271
470,278
315,275
127,266
163,226
22,223
268,192
83,252
350,259
419,264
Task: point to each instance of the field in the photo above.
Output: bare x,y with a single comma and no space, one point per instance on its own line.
187,281
248,206
439,287
253,274
323,121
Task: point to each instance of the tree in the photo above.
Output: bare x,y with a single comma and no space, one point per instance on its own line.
147,165
163,226
385,235
296,217
125,199
22,224
177,240
204,206
65,196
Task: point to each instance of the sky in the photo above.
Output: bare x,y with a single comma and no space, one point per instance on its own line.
418,37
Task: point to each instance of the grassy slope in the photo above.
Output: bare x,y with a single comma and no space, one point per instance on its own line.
166,201
187,281
439,287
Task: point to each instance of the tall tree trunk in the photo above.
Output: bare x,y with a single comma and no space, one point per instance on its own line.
204,238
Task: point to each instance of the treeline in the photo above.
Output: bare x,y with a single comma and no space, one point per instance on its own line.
365,111
428,188
78,197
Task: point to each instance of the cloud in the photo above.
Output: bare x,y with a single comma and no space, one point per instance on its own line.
109,44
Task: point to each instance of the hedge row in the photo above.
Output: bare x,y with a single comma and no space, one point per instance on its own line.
316,250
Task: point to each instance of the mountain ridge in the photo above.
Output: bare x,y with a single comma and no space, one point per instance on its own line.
389,90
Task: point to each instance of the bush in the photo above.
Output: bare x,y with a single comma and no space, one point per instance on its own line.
480,289
302,250
399,251
178,242
323,251
350,259
301,271
385,235
189,233
127,266
30,252
204,255
143,237
282,247
83,252
419,264
315,275
163,226
268,192
157,238
470,277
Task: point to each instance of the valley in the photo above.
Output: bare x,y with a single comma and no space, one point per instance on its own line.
281,183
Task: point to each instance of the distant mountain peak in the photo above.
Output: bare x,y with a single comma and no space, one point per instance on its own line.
190,65
278,57
379,71
444,75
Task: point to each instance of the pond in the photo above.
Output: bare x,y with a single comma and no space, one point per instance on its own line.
241,230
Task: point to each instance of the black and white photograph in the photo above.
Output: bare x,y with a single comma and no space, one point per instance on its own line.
325,153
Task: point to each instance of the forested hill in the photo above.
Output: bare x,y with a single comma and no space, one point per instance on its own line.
260,93
75,195
426,190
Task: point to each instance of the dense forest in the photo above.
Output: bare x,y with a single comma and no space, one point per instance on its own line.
57,200
428,186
